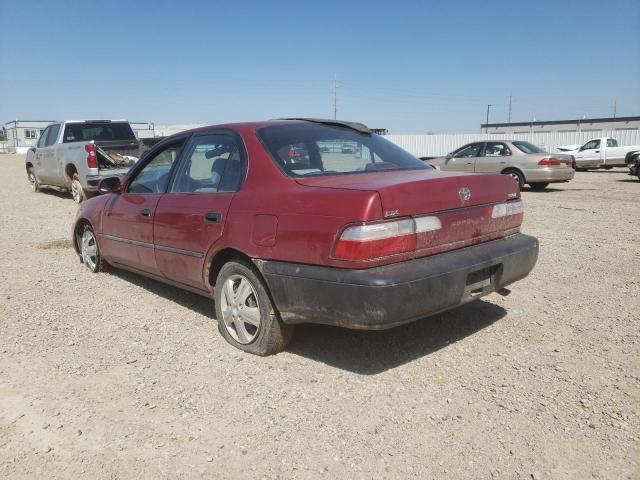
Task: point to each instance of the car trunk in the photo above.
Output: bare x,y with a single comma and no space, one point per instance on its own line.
463,203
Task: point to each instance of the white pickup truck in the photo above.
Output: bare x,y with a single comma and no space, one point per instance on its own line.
76,155
601,153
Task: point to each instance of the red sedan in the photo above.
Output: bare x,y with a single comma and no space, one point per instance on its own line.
368,240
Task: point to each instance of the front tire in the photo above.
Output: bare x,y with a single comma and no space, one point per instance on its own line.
538,187
90,252
246,316
33,180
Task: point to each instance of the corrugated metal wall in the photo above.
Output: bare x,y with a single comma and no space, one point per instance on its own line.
441,144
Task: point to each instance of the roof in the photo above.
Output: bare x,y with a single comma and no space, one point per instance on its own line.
560,122
281,121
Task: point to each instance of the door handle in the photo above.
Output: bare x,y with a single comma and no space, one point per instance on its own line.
212,217
145,212
597,151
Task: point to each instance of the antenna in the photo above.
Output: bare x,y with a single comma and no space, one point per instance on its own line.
510,98
615,107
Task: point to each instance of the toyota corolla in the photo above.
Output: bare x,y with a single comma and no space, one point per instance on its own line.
368,239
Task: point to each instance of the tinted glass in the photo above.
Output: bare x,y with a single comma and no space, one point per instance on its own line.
154,176
527,147
213,164
612,142
472,150
43,138
496,149
591,145
52,136
85,132
311,150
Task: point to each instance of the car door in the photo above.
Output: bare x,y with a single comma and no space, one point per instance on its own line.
127,222
48,159
493,158
589,154
463,159
38,166
191,216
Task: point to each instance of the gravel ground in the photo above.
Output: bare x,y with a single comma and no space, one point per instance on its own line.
115,376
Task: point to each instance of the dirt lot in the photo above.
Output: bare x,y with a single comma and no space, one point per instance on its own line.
115,376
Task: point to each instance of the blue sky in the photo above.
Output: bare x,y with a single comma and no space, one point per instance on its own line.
408,66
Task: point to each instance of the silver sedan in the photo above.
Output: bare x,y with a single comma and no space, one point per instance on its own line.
525,162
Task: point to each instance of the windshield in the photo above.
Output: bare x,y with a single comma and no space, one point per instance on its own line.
302,150
85,132
527,147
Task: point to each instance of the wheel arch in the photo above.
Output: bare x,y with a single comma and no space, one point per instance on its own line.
218,260
514,169
69,170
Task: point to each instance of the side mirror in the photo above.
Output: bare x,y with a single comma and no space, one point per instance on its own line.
109,185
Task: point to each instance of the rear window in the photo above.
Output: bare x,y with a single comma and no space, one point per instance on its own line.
527,147
85,132
303,150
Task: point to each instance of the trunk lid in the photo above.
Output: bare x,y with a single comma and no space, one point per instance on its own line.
418,192
463,203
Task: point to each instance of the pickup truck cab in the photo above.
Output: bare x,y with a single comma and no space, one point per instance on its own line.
366,240
75,155
602,152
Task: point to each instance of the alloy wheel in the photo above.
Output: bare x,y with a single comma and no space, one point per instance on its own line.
240,309
89,249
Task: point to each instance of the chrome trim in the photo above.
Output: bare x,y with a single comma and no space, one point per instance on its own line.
161,248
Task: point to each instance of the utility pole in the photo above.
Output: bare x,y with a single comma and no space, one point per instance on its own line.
335,97
487,123
510,98
615,107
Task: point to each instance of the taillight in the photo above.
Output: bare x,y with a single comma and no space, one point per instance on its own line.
92,159
376,240
549,161
506,209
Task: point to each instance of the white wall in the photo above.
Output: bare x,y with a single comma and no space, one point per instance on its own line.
441,144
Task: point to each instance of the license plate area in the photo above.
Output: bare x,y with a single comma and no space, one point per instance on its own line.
480,281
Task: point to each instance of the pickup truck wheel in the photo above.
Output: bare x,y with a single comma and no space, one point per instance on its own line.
77,192
516,175
538,187
90,252
33,180
246,316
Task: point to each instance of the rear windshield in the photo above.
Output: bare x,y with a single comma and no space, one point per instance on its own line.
527,147
85,132
303,150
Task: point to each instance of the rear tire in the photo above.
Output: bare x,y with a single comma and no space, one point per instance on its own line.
246,316
33,180
77,192
516,175
538,187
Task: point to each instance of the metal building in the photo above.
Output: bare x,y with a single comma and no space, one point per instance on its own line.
587,125
24,134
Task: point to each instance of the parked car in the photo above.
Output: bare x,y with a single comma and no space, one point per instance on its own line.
385,240
523,161
602,153
633,162
75,155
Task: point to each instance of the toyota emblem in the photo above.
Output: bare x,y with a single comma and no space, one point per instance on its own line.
465,194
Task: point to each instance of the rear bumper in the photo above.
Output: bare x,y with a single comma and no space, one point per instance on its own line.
390,295
550,175
93,180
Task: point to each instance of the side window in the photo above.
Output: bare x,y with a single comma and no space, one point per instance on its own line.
592,145
496,149
612,142
43,138
213,163
472,150
53,134
154,176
